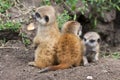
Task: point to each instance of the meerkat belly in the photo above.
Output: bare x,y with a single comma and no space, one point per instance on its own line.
90,55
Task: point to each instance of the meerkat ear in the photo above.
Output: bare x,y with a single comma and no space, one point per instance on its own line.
46,18
99,40
79,32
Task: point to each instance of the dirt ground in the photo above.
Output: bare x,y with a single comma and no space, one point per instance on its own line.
13,66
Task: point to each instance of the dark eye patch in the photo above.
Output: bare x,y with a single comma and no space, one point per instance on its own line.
84,39
91,41
78,32
37,15
46,18
98,40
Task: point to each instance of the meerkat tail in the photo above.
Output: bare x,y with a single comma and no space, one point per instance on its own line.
53,68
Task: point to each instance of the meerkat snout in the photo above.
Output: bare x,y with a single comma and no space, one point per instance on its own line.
91,39
41,19
37,15
91,43
44,16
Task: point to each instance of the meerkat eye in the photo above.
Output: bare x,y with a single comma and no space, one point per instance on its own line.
37,15
98,40
78,32
92,41
84,39
46,18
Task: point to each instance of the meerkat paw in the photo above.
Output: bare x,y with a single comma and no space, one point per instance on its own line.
85,61
86,64
31,64
95,62
33,46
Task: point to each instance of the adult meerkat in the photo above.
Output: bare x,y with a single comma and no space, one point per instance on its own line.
46,37
69,47
91,41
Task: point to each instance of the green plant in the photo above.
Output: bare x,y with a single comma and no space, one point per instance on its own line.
72,4
9,25
46,2
4,5
98,7
116,55
101,6
58,1
25,40
62,18
5,22
2,42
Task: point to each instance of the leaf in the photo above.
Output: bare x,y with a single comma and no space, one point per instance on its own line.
118,8
74,17
95,22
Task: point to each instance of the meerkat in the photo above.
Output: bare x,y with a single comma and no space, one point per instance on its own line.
46,37
69,47
91,42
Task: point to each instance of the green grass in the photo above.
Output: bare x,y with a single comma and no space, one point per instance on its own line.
4,5
62,18
116,55
25,40
9,25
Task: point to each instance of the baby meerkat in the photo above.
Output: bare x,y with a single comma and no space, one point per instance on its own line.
69,47
91,41
46,37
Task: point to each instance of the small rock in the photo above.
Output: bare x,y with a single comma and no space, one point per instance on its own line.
89,77
105,71
30,27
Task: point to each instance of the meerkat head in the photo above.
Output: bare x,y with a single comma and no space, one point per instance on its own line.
73,27
45,15
91,39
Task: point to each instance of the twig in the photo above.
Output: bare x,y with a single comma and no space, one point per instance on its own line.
9,47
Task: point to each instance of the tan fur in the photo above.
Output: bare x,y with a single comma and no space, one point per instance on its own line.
91,49
46,37
69,47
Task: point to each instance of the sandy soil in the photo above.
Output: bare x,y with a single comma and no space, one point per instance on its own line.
13,66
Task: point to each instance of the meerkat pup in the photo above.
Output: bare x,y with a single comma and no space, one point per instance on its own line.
46,37
91,41
69,47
